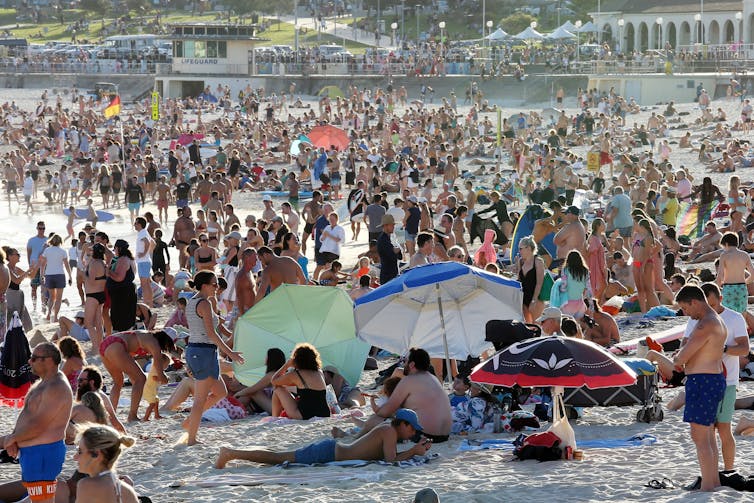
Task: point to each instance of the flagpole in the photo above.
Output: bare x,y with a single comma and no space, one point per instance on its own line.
120,123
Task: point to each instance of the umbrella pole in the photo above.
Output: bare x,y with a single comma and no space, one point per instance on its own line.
444,333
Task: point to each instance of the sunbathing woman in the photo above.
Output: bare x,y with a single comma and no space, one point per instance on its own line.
302,370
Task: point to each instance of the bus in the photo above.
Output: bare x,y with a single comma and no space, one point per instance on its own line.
120,46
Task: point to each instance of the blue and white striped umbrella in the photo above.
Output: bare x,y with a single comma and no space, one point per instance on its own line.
441,308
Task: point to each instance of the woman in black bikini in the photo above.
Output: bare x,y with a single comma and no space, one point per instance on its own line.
95,278
304,371
205,257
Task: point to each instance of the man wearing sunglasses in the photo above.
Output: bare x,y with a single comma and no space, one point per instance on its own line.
37,439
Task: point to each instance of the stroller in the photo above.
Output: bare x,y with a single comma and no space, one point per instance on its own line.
644,392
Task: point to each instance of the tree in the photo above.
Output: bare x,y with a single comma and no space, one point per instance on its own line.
517,22
98,6
242,7
137,5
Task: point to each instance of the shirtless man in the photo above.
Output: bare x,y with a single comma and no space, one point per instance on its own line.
184,231
707,243
572,236
701,358
290,217
162,196
381,443
731,276
605,149
203,190
90,379
277,270
38,437
216,205
245,285
471,198
310,213
268,213
421,391
231,219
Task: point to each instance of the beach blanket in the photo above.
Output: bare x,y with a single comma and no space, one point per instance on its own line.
414,461
253,479
494,443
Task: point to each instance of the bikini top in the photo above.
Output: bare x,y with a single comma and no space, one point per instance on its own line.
104,276
116,483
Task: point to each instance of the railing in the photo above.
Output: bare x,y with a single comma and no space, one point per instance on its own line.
89,67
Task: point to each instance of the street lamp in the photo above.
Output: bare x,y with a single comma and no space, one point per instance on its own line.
442,45
621,22
659,33
577,24
393,26
698,31
739,17
416,13
489,30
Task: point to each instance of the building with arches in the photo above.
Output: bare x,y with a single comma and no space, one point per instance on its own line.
650,24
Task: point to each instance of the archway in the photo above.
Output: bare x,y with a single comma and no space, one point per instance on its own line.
643,37
729,31
713,33
628,37
607,32
750,38
671,35
684,34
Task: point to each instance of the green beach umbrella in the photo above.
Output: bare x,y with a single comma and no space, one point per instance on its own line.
291,314
331,92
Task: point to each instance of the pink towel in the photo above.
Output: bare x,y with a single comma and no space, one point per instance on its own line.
486,253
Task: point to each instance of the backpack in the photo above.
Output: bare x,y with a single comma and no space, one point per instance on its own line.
503,333
539,446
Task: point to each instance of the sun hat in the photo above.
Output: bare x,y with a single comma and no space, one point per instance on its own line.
410,417
387,219
550,313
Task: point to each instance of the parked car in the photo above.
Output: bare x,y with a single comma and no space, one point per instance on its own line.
334,53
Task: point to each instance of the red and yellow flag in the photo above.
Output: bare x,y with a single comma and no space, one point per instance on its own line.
113,108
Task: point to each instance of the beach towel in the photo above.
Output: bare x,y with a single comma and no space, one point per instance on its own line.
504,444
232,479
414,461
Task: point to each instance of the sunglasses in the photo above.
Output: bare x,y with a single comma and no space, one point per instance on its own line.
38,357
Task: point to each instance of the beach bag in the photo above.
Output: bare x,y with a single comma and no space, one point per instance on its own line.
547,282
540,446
560,425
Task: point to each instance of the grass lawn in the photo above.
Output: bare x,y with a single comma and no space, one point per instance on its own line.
283,34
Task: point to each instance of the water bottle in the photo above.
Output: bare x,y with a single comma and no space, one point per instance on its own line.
497,428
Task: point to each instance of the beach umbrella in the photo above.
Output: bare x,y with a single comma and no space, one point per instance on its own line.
291,314
442,308
331,92
569,26
498,34
324,136
554,361
302,139
529,34
588,27
15,371
560,34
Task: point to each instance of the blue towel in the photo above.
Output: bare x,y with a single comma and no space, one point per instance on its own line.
660,312
495,443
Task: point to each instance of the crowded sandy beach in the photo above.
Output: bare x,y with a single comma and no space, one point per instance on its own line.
601,221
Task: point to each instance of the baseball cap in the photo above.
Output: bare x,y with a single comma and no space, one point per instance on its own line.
266,197
410,417
550,313
573,210
80,314
235,235
413,199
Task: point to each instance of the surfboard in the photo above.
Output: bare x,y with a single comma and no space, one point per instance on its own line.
524,227
83,213
354,198
669,335
303,194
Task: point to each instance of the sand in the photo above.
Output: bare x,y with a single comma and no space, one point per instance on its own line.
157,463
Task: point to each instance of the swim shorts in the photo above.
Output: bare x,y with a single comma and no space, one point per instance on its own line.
704,392
735,297
308,228
55,281
40,467
318,452
144,269
181,203
677,379
134,207
728,405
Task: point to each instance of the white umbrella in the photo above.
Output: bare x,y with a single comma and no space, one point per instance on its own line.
569,26
498,34
442,308
560,34
529,34
589,27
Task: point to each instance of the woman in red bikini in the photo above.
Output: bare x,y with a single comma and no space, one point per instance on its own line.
118,351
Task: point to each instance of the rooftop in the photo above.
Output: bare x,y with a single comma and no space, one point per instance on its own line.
208,31
669,6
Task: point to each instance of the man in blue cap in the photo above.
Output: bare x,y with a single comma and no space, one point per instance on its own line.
380,443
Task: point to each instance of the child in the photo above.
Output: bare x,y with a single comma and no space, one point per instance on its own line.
154,379
91,213
179,316
73,253
461,385
75,196
69,225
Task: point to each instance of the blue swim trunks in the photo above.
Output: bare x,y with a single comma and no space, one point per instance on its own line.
318,452
40,467
704,395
